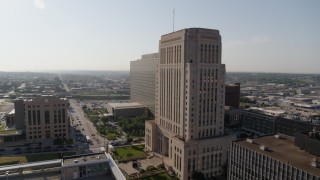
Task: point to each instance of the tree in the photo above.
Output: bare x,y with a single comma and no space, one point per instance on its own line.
129,139
245,100
111,136
150,168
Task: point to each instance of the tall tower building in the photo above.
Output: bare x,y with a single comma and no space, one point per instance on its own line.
142,80
188,131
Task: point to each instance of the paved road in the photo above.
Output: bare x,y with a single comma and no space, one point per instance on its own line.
87,128
64,84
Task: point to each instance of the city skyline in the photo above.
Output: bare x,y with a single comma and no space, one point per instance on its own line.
76,35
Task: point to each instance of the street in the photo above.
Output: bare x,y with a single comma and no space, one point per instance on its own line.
85,127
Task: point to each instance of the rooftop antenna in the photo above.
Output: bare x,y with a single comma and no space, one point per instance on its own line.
173,21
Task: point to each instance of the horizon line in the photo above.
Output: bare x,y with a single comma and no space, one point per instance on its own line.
57,71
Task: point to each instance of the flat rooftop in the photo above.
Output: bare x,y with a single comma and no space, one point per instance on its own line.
73,160
125,105
283,150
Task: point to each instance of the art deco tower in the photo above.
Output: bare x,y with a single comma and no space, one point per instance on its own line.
188,131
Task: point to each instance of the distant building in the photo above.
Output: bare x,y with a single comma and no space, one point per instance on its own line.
292,127
188,131
232,97
259,122
126,109
46,118
303,91
142,80
309,141
256,123
19,114
271,157
11,119
232,117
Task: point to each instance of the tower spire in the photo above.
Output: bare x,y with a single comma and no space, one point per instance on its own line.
173,21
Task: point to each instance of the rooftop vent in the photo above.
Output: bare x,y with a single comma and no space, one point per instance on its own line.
315,162
250,140
263,148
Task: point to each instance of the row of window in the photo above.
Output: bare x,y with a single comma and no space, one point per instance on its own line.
209,53
34,117
248,164
46,105
39,136
170,55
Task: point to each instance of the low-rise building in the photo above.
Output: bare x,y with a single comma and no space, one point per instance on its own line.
256,123
126,109
81,166
46,118
232,117
271,157
292,126
232,97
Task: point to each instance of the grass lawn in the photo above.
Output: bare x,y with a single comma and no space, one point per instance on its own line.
8,131
46,156
8,160
122,152
162,176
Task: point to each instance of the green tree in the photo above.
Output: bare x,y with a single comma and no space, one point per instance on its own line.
111,136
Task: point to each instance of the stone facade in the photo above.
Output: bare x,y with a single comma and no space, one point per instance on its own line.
189,112
46,118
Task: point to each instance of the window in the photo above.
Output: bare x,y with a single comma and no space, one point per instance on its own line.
47,117
29,117
63,116
38,117
34,118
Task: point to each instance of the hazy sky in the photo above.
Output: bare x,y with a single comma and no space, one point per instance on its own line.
268,36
